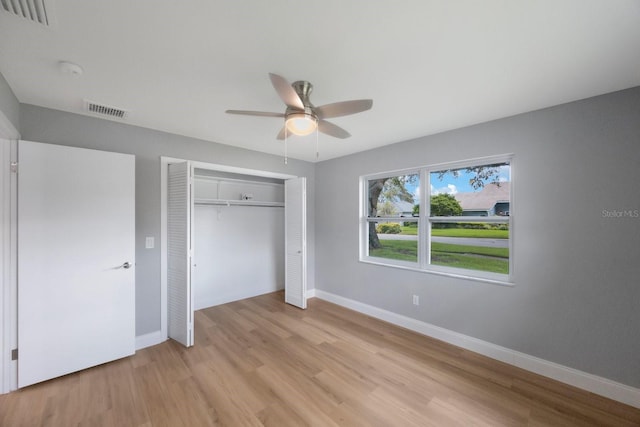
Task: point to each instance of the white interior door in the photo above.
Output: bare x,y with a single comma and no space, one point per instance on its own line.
76,258
295,214
179,252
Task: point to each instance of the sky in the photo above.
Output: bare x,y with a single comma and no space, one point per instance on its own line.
452,185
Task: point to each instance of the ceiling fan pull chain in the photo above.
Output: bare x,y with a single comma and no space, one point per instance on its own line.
317,145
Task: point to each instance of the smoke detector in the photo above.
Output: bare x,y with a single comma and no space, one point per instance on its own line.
70,68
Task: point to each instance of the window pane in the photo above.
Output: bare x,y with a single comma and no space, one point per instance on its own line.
473,246
393,196
397,240
474,191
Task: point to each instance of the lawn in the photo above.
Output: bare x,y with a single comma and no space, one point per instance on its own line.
459,232
409,231
469,232
475,250
494,265
460,256
405,250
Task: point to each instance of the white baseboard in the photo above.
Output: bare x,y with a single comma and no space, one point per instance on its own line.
311,293
592,383
147,340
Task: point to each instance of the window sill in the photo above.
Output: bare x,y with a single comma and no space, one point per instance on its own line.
492,281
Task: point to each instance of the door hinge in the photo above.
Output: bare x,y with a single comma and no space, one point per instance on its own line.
14,354
14,167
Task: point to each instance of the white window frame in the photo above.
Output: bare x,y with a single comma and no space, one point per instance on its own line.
365,220
425,222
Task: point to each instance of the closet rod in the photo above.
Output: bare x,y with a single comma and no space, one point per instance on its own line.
239,203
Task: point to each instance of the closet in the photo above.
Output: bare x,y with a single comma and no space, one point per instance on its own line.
230,236
238,237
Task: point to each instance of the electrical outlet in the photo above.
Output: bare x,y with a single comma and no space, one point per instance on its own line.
416,300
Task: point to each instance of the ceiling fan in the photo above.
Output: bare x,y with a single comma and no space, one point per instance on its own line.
301,117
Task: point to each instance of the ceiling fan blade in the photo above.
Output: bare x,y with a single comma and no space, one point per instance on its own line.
344,108
286,92
332,130
255,113
281,134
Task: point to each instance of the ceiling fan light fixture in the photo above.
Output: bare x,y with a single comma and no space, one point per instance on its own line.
301,124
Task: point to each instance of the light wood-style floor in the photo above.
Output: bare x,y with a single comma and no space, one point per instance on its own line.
260,362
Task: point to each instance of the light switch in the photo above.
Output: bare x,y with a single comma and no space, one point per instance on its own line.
149,243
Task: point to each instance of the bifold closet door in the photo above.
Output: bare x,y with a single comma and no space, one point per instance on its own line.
295,200
76,259
179,252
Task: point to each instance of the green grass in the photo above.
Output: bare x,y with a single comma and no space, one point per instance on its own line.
480,258
464,232
409,231
459,232
494,265
465,249
405,250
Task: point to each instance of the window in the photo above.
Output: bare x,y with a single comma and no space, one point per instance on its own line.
464,229
392,221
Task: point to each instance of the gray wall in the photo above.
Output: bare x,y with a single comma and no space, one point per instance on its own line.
576,299
57,127
9,105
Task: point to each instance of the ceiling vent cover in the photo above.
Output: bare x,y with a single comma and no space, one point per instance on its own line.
38,11
105,110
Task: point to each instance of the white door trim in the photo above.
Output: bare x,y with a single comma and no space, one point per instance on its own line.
8,283
164,162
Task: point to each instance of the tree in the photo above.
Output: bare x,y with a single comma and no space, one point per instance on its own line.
382,192
445,205
393,188
481,174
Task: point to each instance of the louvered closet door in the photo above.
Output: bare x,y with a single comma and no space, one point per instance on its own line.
179,252
295,289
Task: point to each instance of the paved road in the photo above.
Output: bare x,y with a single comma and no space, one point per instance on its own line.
490,243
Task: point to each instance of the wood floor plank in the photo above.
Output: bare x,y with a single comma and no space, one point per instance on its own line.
260,362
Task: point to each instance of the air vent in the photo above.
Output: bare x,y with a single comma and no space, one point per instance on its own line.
38,11
106,110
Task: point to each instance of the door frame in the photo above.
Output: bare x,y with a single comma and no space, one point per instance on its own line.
9,264
164,162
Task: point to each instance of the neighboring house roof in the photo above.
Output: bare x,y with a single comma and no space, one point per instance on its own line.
403,206
484,199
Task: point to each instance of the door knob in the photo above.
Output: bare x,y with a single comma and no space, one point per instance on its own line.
126,265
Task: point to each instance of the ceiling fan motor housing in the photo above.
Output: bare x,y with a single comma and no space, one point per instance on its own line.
301,122
303,89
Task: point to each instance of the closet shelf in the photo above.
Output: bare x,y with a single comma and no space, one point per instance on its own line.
224,202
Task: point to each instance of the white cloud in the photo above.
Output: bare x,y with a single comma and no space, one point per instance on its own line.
504,173
449,189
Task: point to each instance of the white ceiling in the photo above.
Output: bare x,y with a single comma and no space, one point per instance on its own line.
429,65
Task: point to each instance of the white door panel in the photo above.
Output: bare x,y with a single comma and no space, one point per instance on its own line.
295,242
76,229
179,241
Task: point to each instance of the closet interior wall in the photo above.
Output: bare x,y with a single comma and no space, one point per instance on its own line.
238,237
